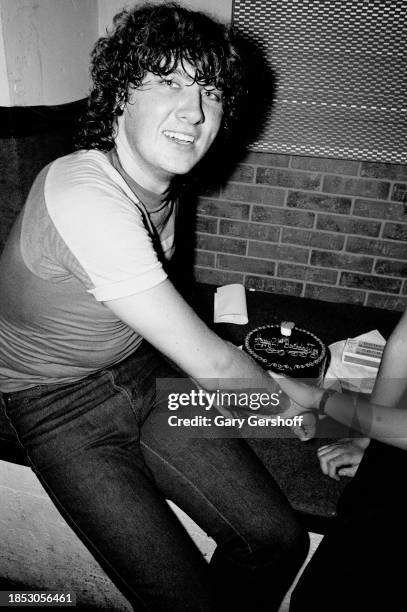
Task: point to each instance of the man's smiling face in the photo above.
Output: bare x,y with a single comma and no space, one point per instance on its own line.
169,123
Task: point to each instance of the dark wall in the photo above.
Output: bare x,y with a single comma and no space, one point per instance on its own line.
30,138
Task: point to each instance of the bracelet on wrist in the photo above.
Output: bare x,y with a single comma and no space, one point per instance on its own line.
320,409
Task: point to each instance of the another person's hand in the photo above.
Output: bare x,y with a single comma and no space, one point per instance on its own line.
342,458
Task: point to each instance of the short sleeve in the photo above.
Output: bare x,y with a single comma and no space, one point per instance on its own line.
105,242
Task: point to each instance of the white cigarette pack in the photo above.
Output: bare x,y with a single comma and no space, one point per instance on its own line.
361,352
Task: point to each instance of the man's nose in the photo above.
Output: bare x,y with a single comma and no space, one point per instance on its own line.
190,106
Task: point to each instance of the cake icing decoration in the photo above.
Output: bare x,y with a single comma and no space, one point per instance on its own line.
300,352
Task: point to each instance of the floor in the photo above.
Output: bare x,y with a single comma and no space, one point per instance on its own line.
315,540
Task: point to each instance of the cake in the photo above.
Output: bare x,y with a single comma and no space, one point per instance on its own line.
287,349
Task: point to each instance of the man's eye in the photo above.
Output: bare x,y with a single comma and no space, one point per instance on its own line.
169,83
213,94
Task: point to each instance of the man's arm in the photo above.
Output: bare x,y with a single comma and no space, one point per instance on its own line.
165,320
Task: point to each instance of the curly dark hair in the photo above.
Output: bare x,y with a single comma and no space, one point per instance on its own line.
157,38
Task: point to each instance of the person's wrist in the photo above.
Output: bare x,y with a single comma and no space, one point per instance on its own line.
319,409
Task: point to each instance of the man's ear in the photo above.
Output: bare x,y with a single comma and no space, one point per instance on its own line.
119,108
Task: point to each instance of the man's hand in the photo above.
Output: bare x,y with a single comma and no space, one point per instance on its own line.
306,431
303,396
342,458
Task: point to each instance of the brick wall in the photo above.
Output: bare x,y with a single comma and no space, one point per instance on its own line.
328,229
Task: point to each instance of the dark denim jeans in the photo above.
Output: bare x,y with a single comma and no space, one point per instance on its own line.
100,449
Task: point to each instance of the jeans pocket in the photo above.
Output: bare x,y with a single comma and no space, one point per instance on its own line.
54,422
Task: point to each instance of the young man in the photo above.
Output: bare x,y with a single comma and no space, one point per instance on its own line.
87,308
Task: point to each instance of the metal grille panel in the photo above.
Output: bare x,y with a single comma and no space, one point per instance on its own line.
341,76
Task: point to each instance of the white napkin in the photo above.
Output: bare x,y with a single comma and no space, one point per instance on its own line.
351,376
230,305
